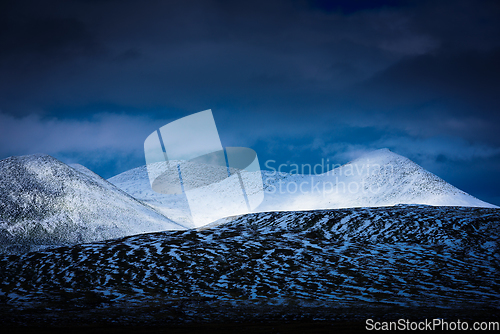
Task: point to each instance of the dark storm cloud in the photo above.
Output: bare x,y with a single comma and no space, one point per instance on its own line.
294,79
452,94
167,53
44,36
34,30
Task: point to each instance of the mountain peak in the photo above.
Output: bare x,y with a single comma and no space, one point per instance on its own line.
380,155
36,156
46,202
30,157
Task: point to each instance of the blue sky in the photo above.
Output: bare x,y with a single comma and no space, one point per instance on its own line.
297,81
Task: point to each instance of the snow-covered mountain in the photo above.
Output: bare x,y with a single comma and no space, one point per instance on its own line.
379,178
46,202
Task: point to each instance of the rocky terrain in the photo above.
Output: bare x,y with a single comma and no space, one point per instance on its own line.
264,266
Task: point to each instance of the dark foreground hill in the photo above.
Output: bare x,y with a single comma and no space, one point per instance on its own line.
327,265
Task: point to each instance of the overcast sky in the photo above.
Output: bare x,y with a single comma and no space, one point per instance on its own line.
298,81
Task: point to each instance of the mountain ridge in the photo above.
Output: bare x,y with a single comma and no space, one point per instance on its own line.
411,184
45,202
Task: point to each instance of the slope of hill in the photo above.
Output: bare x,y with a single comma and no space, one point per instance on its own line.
135,182
289,263
45,202
380,178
